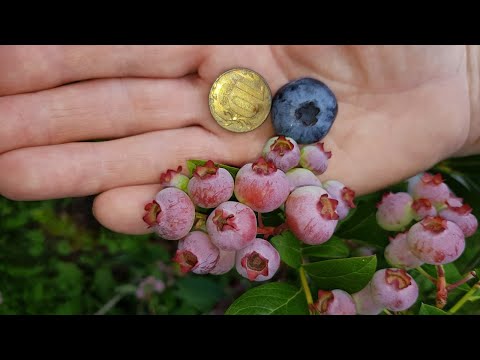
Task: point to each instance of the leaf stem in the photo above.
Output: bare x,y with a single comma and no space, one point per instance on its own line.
464,298
427,275
306,288
442,293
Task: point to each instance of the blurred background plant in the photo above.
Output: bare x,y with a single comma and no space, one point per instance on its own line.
56,259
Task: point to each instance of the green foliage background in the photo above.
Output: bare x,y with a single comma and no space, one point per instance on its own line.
56,259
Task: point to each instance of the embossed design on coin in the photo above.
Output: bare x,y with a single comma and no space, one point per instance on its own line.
240,100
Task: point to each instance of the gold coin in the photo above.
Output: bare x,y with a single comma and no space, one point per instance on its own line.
240,100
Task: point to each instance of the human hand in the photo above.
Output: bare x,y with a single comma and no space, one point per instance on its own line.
401,110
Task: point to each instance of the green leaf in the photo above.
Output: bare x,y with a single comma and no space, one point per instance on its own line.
426,309
199,292
334,248
362,225
288,247
270,299
350,275
192,164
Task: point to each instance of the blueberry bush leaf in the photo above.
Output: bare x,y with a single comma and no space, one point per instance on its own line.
426,309
270,299
288,246
335,248
350,275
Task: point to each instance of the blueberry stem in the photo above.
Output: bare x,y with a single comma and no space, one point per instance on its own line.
387,312
306,288
465,298
427,275
462,281
442,293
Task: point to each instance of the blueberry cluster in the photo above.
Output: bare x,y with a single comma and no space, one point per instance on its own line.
213,215
438,238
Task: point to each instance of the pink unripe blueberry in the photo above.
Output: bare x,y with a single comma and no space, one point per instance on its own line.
225,263
314,157
174,178
301,177
394,211
210,185
196,253
283,152
261,186
436,240
398,253
232,226
394,288
259,261
343,194
364,303
462,216
171,214
310,214
335,302
431,187
423,208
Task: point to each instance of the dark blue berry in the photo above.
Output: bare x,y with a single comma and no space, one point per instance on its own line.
304,110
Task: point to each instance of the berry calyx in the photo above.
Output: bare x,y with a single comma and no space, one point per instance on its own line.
325,298
327,206
435,224
174,178
186,259
152,209
205,171
348,195
264,167
282,145
432,179
255,265
398,278
321,146
224,221
421,204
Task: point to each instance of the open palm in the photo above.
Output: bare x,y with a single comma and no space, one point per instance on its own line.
401,109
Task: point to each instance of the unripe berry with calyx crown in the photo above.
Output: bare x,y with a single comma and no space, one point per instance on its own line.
394,211
174,178
436,241
261,186
196,253
171,214
334,302
232,226
430,187
398,253
462,216
210,185
314,157
310,214
343,194
394,289
283,152
259,261
423,208
302,177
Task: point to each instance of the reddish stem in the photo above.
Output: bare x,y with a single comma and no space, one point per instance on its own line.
442,293
260,220
460,282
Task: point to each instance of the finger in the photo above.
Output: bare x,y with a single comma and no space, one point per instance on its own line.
33,68
80,169
122,209
101,109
